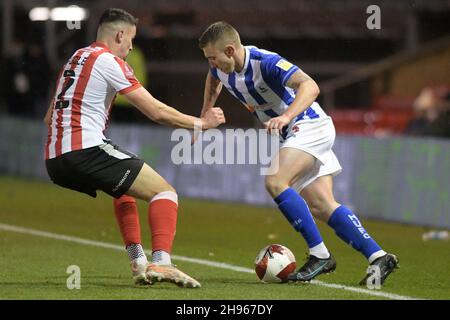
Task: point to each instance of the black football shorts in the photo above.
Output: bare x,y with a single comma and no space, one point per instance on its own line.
104,167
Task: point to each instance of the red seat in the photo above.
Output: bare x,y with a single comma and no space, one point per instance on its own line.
369,122
393,102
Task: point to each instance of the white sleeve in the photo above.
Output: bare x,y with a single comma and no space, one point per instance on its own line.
118,73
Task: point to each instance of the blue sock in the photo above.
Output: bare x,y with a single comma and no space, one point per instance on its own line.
348,227
294,208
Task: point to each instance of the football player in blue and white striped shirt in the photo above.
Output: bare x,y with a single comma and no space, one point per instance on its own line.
283,97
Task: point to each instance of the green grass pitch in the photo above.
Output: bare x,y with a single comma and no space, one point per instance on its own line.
34,267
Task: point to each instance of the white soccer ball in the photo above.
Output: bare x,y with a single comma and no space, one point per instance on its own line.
274,263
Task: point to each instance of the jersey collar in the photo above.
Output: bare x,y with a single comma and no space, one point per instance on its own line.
100,44
247,59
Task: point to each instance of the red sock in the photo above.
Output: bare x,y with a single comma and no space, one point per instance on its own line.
162,218
127,216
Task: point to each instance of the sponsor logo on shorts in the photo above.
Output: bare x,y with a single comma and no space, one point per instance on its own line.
125,176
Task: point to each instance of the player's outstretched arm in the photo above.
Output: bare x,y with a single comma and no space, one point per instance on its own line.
213,87
163,114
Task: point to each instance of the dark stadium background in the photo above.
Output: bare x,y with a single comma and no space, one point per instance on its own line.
328,39
386,89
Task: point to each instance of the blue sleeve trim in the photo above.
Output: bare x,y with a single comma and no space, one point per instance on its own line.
289,74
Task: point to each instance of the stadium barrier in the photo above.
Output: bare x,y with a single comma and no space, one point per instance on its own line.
401,179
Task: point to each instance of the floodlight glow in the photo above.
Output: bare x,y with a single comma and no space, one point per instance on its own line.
71,13
39,14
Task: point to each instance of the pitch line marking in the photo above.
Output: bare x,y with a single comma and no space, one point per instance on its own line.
39,233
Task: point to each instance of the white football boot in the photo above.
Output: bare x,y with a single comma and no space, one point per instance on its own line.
138,272
169,273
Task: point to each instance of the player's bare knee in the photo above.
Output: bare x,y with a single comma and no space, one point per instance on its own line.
317,211
168,194
164,189
322,209
275,185
269,182
170,188
163,186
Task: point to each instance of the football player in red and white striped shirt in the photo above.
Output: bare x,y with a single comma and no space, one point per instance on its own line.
79,157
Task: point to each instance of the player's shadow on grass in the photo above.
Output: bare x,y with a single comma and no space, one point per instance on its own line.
258,283
62,286
125,283
86,282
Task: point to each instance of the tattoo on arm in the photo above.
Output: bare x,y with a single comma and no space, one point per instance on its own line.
297,79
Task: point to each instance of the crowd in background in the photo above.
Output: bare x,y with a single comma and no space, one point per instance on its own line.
27,83
432,112
25,80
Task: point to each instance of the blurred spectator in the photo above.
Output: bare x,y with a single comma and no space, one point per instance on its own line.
432,113
441,126
38,71
26,80
14,80
122,109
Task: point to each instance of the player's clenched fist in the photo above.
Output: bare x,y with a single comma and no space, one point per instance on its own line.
212,118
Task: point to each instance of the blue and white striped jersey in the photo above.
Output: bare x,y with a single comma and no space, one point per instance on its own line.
261,85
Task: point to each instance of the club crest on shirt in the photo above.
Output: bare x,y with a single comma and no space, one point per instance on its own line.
284,65
262,89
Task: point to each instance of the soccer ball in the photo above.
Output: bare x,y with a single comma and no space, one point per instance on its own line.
274,263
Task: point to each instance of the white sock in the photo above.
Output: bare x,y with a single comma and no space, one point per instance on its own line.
140,260
320,251
374,256
161,257
136,253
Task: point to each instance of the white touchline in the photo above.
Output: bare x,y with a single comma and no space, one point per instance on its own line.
7,227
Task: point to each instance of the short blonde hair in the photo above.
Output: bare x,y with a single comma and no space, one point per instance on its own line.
220,30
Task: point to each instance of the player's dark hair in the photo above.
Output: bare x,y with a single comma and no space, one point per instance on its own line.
116,14
215,32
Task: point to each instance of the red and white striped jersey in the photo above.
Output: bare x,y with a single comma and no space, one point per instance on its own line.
85,90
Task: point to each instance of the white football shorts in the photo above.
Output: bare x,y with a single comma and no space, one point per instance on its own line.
316,138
